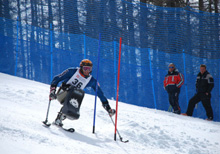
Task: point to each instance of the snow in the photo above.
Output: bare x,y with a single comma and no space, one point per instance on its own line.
23,107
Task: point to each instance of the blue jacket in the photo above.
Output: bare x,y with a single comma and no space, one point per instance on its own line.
67,74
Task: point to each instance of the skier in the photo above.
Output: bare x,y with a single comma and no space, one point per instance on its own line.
172,84
71,93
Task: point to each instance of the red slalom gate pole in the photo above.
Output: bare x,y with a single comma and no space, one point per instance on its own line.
119,61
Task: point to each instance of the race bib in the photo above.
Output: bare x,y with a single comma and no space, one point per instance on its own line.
78,80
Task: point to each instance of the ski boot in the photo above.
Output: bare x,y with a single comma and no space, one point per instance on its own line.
59,119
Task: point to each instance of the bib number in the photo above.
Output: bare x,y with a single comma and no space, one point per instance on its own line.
77,83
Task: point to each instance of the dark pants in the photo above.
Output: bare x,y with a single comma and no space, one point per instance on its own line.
206,102
72,103
174,101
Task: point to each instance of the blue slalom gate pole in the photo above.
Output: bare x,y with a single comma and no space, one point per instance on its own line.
115,69
96,84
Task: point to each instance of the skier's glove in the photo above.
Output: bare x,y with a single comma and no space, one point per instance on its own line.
52,95
111,112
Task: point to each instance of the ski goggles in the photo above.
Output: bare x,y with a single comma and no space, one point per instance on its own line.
87,68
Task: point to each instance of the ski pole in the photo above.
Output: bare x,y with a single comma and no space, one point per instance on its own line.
118,131
46,120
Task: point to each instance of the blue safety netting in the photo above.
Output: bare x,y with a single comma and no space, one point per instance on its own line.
39,39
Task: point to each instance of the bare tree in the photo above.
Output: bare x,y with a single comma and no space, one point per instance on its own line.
167,3
202,5
216,4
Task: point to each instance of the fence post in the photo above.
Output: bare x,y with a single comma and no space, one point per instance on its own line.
51,52
84,45
16,57
185,77
151,75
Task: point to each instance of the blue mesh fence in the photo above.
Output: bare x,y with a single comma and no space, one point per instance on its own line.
41,39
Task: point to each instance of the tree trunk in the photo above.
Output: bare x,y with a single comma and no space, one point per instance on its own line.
216,4
201,5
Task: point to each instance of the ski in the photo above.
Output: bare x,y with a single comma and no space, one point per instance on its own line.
47,125
71,130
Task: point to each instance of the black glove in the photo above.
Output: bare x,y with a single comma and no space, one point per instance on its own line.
111,112
52,95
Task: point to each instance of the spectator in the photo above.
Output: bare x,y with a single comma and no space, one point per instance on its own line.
204,86
172,83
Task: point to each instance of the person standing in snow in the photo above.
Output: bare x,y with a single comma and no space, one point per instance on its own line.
204,86
71,93
172,83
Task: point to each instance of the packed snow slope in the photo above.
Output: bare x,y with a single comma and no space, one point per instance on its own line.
23,107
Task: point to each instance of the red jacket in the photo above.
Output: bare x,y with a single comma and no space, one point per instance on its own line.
172,80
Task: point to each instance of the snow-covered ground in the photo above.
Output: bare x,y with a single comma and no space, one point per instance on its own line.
23,106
